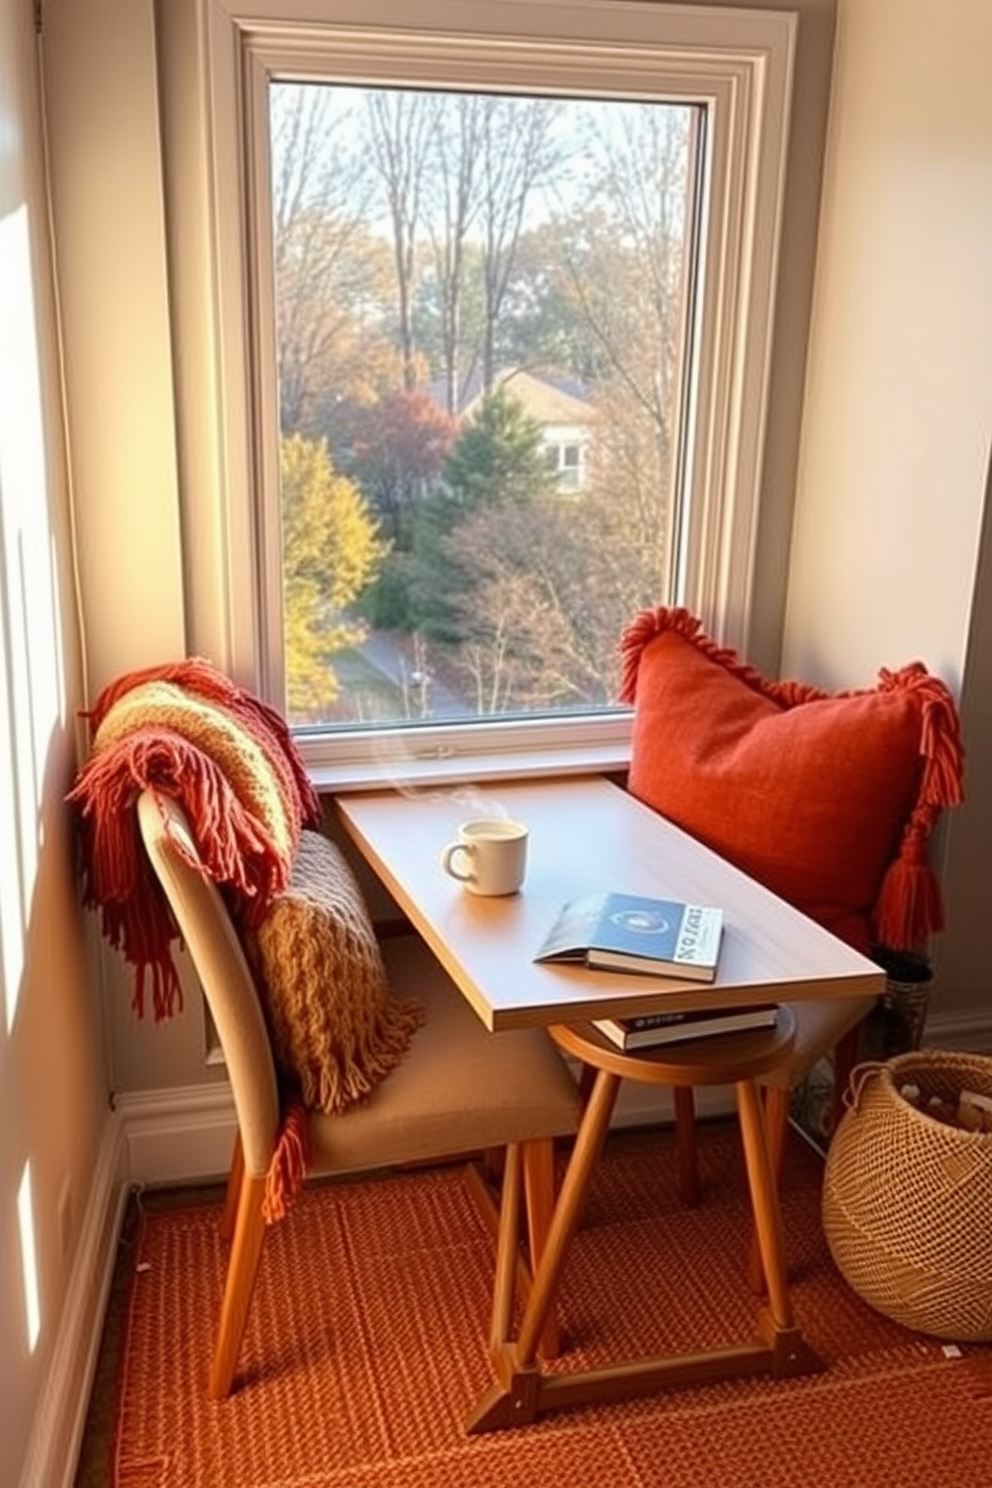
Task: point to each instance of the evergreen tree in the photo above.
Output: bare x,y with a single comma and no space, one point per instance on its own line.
496,462
498,456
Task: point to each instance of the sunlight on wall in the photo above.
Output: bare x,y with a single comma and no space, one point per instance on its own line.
31,683
11,907
29,1257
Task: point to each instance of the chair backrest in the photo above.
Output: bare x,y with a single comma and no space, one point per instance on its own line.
225,976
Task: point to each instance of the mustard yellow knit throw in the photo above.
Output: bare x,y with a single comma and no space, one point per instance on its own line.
334,1027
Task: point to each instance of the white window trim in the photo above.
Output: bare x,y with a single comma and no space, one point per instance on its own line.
216,57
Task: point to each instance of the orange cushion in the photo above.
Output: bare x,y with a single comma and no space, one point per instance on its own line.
813,794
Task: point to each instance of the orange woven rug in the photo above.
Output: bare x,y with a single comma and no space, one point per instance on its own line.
366,1349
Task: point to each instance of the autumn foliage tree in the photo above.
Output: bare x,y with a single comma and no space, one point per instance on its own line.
398,446
331,552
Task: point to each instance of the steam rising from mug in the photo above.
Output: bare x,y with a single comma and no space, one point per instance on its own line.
392,753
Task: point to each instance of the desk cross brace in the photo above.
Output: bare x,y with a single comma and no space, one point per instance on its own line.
524,1389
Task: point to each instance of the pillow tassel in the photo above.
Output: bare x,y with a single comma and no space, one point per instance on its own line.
289,1165
909,906
940,734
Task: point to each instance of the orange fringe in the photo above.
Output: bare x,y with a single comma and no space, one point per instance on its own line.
909,906
289,1165
201,677
236,850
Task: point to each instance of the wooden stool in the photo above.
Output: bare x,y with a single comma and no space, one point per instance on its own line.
524,1389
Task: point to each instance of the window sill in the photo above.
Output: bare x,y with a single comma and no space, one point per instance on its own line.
453,769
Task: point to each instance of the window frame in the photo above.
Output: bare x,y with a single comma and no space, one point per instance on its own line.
737,62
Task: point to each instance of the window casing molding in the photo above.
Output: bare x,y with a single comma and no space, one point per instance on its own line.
215,141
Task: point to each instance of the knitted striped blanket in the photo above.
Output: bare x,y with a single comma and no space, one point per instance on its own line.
186,730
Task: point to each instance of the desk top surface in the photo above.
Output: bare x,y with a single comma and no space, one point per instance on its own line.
586,836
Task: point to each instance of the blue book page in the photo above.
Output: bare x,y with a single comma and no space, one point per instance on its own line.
574,930
659,933
639,927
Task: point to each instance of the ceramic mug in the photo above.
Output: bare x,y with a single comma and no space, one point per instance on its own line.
490,856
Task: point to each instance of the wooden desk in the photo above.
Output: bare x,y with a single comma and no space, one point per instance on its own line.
588,835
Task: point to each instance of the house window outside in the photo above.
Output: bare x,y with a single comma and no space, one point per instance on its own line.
570,466
565,462
469,420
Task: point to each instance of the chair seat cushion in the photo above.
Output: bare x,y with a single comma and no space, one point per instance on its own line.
335,1029
460,1089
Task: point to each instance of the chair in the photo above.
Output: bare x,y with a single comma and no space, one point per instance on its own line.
499,1091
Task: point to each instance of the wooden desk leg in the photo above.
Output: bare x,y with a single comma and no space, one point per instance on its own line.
791,1354
539,1192
514,1399
504,1289
775,1103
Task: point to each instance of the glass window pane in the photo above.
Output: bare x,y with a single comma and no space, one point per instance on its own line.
481,327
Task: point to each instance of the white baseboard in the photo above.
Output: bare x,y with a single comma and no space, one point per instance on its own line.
186,1134
181,1135
966,1032
60,1417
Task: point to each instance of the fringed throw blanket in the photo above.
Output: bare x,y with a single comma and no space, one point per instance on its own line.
228,759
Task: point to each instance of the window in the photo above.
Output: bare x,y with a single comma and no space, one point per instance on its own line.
493,294
464,285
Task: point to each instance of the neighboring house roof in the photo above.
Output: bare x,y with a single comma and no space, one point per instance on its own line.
547,397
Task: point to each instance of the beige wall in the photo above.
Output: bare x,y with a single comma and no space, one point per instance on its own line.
106,177
898,407
53,1088
102,105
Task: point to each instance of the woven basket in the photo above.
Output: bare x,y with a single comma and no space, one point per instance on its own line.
907,1199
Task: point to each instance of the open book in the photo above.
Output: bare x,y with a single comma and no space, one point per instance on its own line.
627,932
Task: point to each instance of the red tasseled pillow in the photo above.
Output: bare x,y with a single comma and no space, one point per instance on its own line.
826,798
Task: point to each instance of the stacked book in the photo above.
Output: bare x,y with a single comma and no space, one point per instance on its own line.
652,937
651,1030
